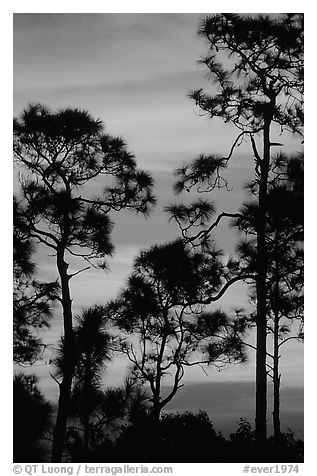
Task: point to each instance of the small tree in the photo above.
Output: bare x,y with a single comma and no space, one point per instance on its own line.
160,314
256,63
115,409
61,153
92,349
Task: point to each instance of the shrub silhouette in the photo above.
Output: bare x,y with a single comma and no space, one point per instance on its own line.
182,438
31,420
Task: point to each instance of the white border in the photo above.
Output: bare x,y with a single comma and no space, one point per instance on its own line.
6,190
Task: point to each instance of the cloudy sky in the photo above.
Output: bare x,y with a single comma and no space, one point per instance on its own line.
134,71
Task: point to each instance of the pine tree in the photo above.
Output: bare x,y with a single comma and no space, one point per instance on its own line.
256,64
58,155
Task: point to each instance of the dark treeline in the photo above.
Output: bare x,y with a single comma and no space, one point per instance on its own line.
168,316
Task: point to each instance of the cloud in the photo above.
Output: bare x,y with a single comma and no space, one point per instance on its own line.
83,48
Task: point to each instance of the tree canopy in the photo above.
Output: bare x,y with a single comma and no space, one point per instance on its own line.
160,313
63,151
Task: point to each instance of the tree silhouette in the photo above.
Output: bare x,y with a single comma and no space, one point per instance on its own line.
31,419
32,300
60,153
92,350
127,403
115,409
160,314
257,65
185,437
284,238
285,289
242,446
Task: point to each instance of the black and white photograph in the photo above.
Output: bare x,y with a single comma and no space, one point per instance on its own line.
158,222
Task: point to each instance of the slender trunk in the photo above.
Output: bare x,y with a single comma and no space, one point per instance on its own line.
157,407
261,321
156,410
276,357
276,384
66,384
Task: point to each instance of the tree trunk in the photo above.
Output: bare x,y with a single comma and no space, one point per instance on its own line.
66,384
261,320
156,411
156,429
276,356
276,386
157,406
